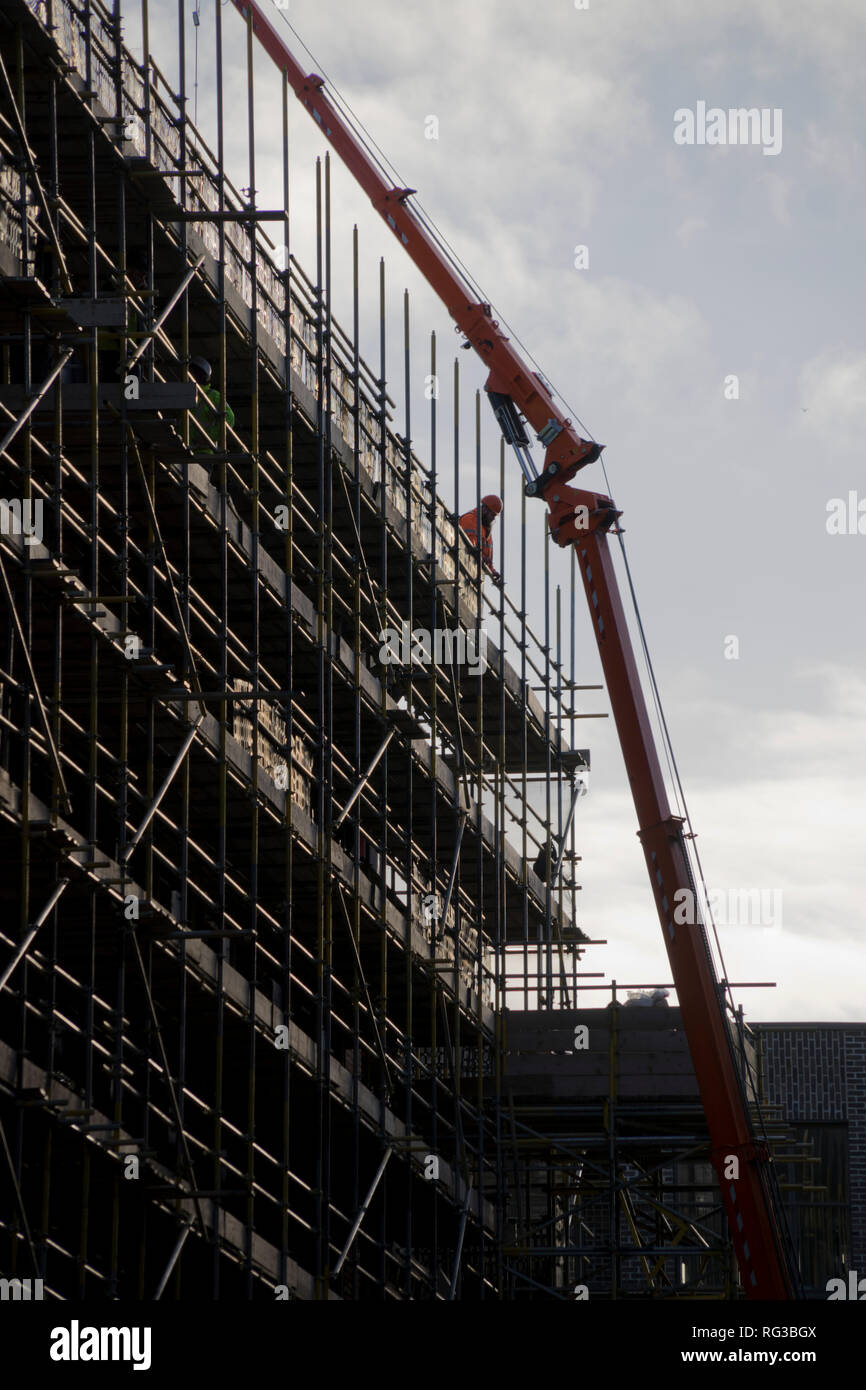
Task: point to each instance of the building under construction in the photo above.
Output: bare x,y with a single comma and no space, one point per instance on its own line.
295,1000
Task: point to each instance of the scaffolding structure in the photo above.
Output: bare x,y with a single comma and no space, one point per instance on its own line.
284,895
265,881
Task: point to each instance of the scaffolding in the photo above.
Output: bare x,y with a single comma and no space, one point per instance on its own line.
256,945
289,789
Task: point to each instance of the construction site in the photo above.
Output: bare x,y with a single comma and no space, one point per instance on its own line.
298,999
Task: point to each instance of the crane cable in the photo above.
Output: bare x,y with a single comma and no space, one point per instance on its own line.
670,755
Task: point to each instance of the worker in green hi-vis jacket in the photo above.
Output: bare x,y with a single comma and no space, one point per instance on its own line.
206,411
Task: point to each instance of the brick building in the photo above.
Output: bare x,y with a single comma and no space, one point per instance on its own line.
816,1073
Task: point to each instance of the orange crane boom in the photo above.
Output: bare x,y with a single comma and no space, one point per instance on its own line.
583,519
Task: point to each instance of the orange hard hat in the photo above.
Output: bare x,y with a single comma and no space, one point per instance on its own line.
492,503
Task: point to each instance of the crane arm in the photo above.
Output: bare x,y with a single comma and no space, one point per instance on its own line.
510,378
744,1184
584,519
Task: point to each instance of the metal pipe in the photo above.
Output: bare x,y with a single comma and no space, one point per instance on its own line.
154,805
19,1200
461,826
181,620
577,793
254,649
34,174
379,1043
152,332
356,1224
55,756
364,780
28,940
324,806
242,215
354,508
46,385
459,1251
172,1090
221,479
172,1261
434,1117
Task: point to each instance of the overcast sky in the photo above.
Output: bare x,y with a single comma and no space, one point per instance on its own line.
556,129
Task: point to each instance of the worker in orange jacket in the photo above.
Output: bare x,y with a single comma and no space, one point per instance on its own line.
490,508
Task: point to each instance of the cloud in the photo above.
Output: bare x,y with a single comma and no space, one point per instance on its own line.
833,389
689,229
776,796
834,151
779,191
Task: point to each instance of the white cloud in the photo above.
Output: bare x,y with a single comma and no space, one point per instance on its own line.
689,229
779,191
776,796
833,389
836,152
